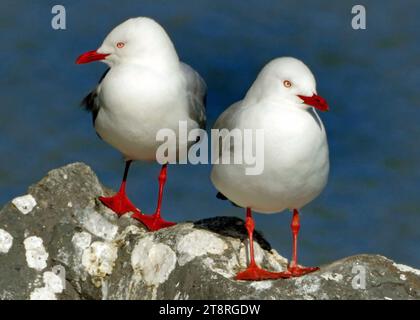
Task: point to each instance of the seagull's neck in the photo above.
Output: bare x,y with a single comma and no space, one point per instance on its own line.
159,61
276,103
254,98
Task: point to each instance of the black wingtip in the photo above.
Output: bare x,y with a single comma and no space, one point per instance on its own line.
221,196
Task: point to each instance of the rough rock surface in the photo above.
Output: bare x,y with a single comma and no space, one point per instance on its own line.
59,242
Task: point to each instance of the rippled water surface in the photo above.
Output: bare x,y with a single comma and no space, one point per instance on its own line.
371,79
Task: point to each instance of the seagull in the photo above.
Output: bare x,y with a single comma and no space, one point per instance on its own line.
282,102
146,88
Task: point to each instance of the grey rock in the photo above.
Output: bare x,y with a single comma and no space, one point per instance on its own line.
59,242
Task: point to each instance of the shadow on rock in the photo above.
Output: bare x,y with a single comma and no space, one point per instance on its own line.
231,227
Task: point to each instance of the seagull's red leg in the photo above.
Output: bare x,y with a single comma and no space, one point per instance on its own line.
294,269
154,222
119,203
253,272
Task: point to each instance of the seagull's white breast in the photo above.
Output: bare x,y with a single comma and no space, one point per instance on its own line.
296,161
136,102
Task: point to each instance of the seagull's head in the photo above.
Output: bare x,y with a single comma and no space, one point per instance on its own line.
135,40
288,79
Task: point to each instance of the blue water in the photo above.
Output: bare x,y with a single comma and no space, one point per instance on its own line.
370,78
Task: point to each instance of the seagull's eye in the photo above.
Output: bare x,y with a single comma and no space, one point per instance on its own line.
120,45
287,83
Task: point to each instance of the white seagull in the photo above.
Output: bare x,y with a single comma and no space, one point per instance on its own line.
281,102
145,89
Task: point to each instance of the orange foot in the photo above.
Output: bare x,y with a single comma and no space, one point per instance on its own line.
119,203
255,273
298,271
153,222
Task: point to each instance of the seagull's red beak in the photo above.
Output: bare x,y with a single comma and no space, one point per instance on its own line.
315,101
91,56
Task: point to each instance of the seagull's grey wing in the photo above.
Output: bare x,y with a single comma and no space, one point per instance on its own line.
197,95
91,101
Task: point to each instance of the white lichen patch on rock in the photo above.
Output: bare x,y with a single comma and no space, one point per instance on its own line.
152,262
81,240
42,294
24,204
404,268
6,241
53,282
225,267
36,255
99,259
261,285
96,224
198,243
53,285
332,276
